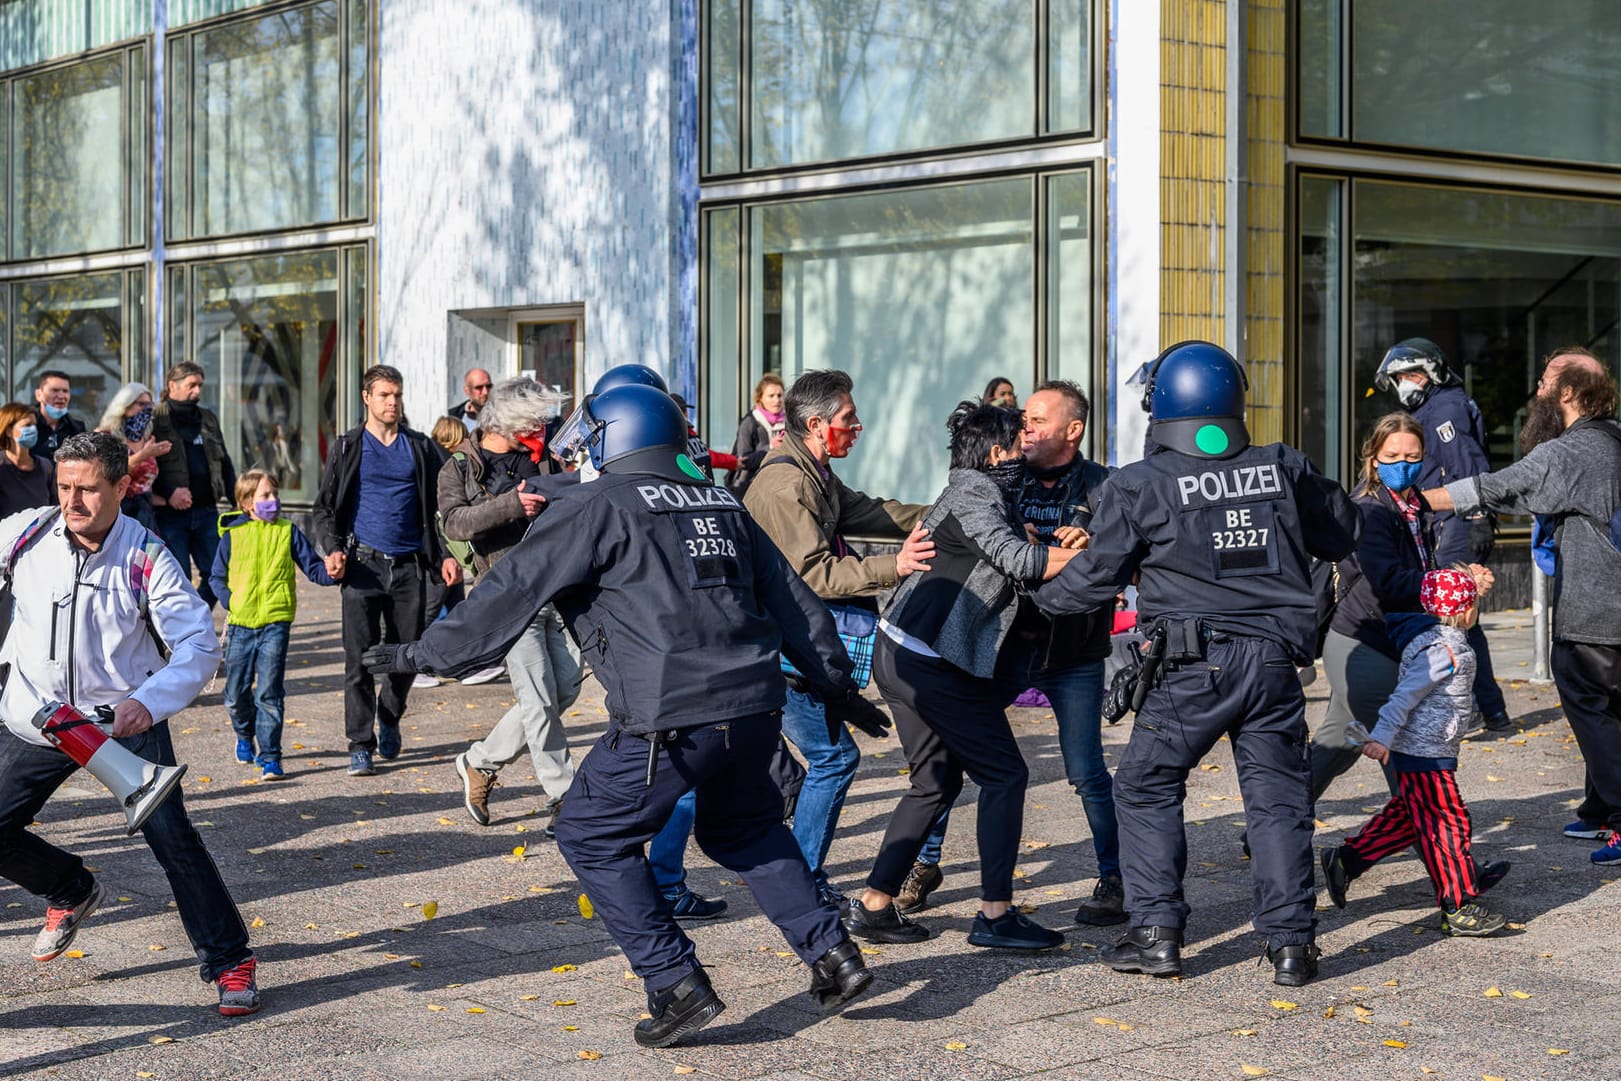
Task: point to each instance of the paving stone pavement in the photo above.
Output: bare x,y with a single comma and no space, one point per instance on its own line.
508,980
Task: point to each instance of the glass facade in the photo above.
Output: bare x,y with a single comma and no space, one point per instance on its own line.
793,82
1474,76
1497,279
269,332
268,121
91,326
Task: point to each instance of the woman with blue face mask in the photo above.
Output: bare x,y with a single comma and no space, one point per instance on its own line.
129,416
1360,652
27,481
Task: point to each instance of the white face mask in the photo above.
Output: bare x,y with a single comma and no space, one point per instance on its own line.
588,471
1410,393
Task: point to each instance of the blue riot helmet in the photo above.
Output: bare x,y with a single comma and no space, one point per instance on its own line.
1195,400
630,429
1412,355
624,375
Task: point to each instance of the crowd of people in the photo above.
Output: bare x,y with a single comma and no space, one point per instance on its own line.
731,621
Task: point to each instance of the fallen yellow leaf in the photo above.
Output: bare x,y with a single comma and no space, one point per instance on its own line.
586,908
144,1073
1492,992
571,1028
1243,1032
589,1056
563,968
258,921
1425,1069
475,1009
1361,1011
416,964
1490,1077
563,1002
1280,1004
527,998
156,948
1329,1012
160,1039
1519,994
1395,1043
871,950
434,1008
1557,1051
956,1045
443,821
686,1069
75,953
430,909
1251,1071
1391,983
519,851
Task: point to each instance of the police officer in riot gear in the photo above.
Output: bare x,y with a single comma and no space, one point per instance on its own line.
1222,533
681,605
1416,372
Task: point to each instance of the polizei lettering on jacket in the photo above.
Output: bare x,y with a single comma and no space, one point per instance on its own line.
1231,485
664,498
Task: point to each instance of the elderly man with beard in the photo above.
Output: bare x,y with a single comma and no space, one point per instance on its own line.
1571,473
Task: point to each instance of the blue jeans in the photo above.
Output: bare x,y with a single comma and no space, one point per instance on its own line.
256,711
829,769
192,535
1077,698
30,774
667,851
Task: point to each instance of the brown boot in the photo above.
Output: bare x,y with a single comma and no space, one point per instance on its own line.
476,785
922,880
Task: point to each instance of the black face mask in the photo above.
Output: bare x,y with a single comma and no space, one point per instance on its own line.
183,411
1008,474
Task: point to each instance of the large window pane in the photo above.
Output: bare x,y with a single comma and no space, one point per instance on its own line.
1069,65
722,371
359,109
67,166
1490,76
1496,280
265,116
722,31
75,325
1321,365
853,78
1069,288
1321,73
267,333
920,294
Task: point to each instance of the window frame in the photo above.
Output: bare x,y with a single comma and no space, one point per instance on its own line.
1040,105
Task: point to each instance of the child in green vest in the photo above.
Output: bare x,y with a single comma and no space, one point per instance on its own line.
253,577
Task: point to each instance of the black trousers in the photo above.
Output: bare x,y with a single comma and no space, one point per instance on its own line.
384,600
1588,676
611,812
950,723
1245,689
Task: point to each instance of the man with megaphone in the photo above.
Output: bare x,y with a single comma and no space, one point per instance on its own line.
105,626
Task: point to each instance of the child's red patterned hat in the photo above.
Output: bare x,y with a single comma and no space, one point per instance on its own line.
1447,593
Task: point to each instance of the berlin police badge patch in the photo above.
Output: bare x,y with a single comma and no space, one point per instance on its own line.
1446,431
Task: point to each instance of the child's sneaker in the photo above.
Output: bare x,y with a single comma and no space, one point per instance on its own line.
239,991
1610,853
271,771
244,751
1472,919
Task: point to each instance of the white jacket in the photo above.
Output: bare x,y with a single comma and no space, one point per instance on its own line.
77,634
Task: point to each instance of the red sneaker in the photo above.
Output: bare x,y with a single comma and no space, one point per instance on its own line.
61,924
239,992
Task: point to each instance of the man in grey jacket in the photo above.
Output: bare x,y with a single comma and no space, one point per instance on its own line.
1571,473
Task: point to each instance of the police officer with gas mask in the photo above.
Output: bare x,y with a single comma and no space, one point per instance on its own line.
681,605
1222,532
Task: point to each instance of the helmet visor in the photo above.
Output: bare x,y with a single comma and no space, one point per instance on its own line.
576,434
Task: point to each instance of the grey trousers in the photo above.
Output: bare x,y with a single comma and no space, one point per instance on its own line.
544,665
1361,679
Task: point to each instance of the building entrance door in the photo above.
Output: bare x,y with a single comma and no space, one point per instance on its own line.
550,347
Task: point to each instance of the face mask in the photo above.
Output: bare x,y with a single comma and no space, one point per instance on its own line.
588,470
1008,474
1399,476
266,509
28,436
839,440
185,410
1410,394
536,444
56,412
135,427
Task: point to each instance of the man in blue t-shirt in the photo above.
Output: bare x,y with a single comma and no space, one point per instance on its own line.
374,520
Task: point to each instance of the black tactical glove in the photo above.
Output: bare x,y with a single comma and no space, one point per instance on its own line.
389,658
1117,703
857,712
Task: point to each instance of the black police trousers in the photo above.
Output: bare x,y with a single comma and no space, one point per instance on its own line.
1245,689
610,813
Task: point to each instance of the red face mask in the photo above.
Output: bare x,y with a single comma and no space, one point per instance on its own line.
535,442
840,440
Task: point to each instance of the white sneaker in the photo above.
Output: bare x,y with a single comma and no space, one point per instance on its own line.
425,680
485,675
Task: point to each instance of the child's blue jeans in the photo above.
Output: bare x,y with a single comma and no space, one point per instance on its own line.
257,654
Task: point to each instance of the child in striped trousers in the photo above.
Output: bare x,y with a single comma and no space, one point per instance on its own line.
1417,737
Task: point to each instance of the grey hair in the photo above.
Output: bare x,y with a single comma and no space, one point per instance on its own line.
112,418
814,394
104,447
518,406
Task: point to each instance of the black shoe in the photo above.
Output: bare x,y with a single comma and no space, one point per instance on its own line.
830,896
922,880
388,741
885,925
1499,722
1153,951
686,1007
1293,966
687,905
1107,906
1244,843
1489,875
1012,930
838,976
1335,876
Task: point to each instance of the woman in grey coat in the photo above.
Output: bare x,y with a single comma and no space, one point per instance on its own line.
936,664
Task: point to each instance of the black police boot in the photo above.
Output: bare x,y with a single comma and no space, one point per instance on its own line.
1107,906
1336,876
838,976
686,1007
1153,951
1293,966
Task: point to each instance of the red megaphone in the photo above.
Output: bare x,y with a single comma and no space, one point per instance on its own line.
139,785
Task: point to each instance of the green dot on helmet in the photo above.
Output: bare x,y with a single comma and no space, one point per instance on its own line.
689,467
1211,439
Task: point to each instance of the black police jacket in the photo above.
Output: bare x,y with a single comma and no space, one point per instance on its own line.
674,594
1228,541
